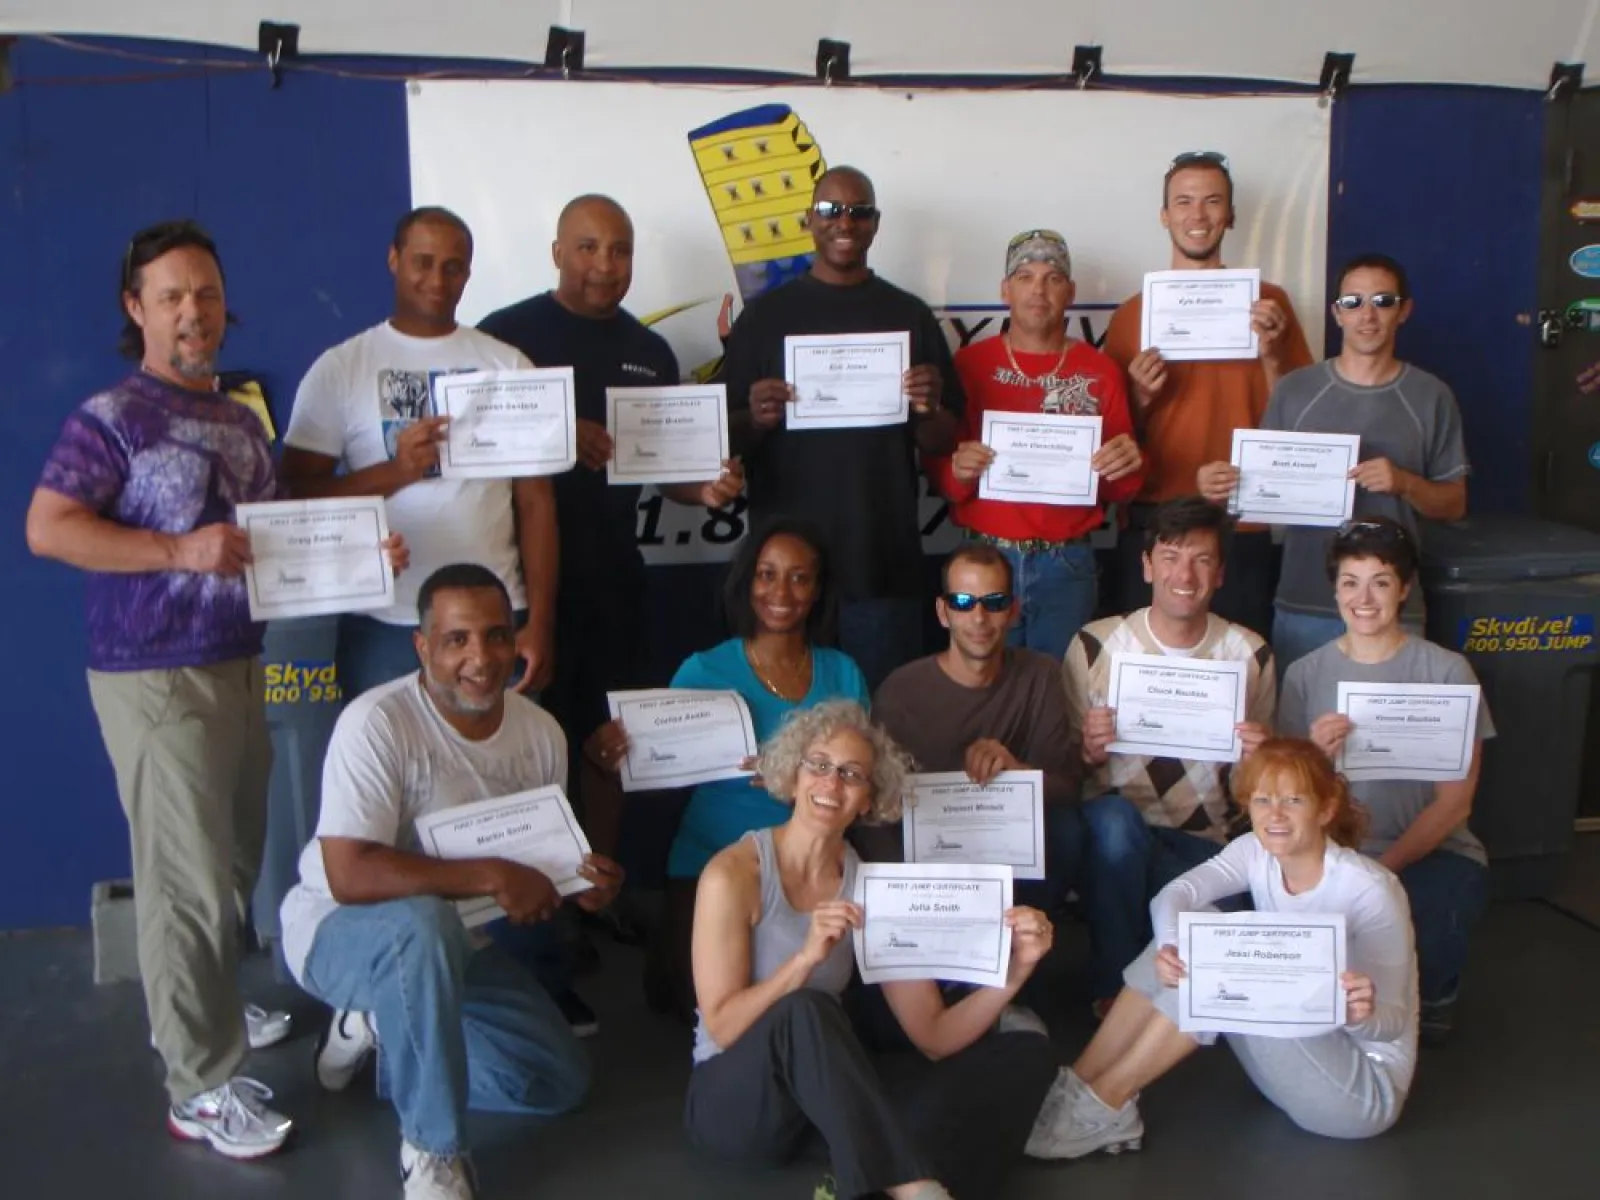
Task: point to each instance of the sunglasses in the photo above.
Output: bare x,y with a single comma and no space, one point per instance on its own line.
1351,301
1049,235
1195,158
965,602
831,210
1378,530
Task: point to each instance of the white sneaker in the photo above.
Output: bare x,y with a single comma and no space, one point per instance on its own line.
232,1118
1074,1122
263,1028
1019,1018
266,1028
344,1048
430,1177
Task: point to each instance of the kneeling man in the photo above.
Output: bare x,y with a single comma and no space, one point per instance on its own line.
371,929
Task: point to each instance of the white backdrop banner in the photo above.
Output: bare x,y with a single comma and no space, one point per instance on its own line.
717,178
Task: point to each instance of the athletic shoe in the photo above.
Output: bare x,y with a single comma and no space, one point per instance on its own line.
1082,1123
432,1177
232,1118
1437,1021
266,1028
344,1048
578,1014
1019,1018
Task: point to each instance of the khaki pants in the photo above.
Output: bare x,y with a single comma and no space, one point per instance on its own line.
191,754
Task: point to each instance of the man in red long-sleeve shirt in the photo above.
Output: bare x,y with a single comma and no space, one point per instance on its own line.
1035,367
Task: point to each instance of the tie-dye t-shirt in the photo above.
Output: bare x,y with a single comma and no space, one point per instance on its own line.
150,455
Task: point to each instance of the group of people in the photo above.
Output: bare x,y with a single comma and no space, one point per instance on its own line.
537,585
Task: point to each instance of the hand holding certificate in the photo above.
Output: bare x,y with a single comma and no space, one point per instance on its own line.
1196,315
535,828
1177,707
1294,478
1267,974
926,921
1040,458
507,424
950,819
847,380
678,737
310,557
1426,731
666,434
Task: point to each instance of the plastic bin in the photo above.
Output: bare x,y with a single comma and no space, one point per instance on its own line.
303,702
1520,598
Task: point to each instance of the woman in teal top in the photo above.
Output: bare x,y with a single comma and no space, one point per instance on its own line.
781,607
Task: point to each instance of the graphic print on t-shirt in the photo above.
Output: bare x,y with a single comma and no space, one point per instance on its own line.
1071,396
404,397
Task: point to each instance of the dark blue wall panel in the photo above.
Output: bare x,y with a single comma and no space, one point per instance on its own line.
301,186
1447,180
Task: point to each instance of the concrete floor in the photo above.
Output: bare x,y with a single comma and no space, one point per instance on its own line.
1510,1108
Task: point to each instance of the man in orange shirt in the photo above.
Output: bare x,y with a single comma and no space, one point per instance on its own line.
1186,412
1033,366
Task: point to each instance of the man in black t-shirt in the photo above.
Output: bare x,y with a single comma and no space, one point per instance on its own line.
859,485
600,609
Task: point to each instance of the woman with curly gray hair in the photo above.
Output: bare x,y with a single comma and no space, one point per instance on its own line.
775,1053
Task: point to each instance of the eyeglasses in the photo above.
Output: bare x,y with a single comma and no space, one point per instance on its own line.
850,776
1199,158
831,210
1380,530
964,602
1351,301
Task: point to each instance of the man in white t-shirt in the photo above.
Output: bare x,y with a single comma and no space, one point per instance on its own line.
367,406
371,929
1149,819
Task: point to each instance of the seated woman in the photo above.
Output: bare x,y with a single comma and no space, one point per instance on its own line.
782,609
1299,858
775,1054
1419,829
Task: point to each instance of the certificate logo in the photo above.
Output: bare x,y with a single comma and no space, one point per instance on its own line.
900,942
940,842
662,756
1223,994
1585,261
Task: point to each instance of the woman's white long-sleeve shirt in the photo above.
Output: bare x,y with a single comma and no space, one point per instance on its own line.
1379,942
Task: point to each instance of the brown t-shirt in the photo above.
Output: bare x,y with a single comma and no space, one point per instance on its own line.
1193,420
935,719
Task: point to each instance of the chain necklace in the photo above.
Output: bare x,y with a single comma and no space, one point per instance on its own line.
1035,380
765,676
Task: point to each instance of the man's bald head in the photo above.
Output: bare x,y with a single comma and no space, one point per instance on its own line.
850,180
593,253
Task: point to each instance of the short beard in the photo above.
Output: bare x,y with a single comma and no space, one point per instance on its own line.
200,372
451,700
1198,255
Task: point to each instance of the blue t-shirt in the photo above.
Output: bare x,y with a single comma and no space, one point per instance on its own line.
721,813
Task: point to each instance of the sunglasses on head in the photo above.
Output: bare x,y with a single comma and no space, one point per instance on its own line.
1351,301
1379,530
1048,234
1199,158
963,602
832,210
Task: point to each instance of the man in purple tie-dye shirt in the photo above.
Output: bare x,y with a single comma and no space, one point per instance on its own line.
139,491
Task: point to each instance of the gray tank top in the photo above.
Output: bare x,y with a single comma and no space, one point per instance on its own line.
781,931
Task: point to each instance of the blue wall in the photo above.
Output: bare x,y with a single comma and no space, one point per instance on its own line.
301,186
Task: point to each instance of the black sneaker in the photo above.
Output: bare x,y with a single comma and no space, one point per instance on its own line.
578,1014
1437,1022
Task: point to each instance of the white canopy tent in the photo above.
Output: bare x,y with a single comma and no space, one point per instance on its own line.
1491,42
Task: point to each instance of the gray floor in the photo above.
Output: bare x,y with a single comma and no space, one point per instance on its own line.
1511,1108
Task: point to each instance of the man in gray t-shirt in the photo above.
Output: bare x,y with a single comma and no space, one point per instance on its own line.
1413,455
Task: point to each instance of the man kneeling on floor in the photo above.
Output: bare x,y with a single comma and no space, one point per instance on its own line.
371,930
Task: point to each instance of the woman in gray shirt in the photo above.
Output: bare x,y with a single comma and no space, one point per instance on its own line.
1419,829
775,1053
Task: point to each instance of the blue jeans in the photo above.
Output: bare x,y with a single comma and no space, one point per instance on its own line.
1295,635
1056,592
456,1029
1063,860
881,635
1448,893
1126,862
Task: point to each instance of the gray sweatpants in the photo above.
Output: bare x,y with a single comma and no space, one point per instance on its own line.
1327,1084
191,754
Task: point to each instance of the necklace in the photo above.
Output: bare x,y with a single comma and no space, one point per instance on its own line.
803,670
1036,380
